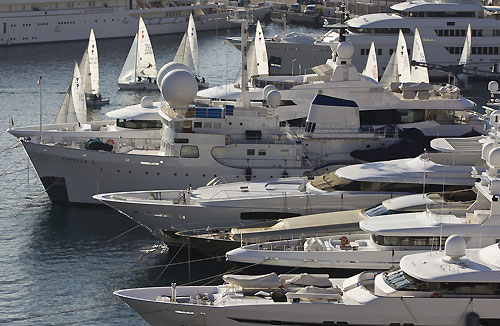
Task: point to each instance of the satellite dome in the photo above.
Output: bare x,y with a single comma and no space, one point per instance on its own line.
345,50
267,89
493,86
494,157
455,247
168,68
179,88
147,102
485,152
273,98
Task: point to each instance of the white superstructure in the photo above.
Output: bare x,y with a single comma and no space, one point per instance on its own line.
36,21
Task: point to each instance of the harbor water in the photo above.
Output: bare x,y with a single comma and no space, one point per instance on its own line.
60,265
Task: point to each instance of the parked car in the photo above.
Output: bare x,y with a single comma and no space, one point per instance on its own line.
310,9
294,7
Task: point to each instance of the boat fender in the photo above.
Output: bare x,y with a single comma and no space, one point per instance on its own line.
472,319
248,174
278,295
110,142
344,241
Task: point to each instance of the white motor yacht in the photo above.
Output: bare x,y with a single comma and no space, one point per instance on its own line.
388,238
442,25
240,138
451,287
37,21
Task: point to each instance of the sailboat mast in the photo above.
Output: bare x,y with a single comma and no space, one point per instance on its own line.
244,63
39,82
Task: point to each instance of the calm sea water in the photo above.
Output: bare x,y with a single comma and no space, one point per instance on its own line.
60,265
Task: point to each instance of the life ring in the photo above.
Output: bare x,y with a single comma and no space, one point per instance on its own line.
344,241
110,142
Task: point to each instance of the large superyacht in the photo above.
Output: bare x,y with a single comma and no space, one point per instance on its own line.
442,26
37,21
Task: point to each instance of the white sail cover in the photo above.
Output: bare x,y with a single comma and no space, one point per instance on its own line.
418,74
74,107
93,63
390,74
128,71
187,53
371,68
403,60
257,64
466,52
145,64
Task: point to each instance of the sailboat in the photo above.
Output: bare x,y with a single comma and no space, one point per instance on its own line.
257,57
187,53
74,107
371,69
89,68
462,79
398,70
139,71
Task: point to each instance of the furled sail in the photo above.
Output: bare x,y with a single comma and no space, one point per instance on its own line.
371,69
418,74
74,107
145,63
128,71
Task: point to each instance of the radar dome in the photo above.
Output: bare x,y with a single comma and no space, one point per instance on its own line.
273,98
493,86
267,89
168,68
345,50
485,152
494,157
455,247
147,102
179,88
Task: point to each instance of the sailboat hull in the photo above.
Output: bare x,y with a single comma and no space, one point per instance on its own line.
138,86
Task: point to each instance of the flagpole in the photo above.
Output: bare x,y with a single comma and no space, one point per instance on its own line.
39,82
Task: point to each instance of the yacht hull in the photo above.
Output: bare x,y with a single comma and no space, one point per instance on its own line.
372,310
72,175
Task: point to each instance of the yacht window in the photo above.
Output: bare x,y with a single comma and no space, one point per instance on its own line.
217,125
207,124
181,140
391,51
138,124
189,151
197,124
401,281
250,151
377,210
275,61
284,152
253,135
262,152
383,240
379,51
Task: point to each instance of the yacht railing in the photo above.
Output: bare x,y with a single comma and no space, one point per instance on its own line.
457,209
